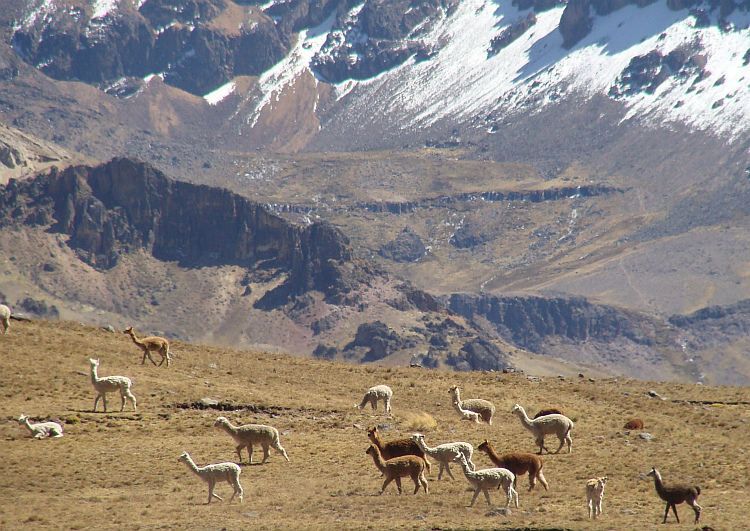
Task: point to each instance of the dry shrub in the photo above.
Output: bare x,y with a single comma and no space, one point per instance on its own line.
420,422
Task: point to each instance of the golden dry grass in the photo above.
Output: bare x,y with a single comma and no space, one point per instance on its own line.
120,470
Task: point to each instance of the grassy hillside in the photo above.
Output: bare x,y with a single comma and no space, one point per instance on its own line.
122,469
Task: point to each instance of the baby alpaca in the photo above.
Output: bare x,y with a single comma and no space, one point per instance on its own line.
471,416
373,394
110,384
229,472
484,408
249,434
594,495
675,495
400,467
42,429
5,317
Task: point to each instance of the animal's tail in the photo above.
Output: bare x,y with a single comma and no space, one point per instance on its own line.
697,489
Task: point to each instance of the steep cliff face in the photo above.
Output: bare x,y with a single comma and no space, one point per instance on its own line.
529,321
184,41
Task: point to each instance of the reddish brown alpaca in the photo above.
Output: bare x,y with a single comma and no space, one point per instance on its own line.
519,463
149,344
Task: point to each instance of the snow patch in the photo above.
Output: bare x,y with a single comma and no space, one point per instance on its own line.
220,93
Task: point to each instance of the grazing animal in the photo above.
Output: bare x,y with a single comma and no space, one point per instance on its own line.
445,453
466,414
484,408
519,463
229,472
594,495
249,434
373,394
549,411
151,344
675,495
489,478
634,424
397,447
110,384
42,429
560,425
5,317
400,467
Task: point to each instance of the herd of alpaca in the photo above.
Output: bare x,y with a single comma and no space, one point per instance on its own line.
407,457
395,459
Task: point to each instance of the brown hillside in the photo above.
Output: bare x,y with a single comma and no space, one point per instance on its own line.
122,468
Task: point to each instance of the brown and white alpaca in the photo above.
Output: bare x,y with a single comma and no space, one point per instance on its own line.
675,495
150,344
397,447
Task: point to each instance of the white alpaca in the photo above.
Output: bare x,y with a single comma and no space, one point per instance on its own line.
110,384
229,472
594,495
5,317
559,425
484,408
489,478
471,416
446,453
249,434
42,429
373,394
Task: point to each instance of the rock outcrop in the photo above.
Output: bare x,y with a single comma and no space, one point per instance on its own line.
575,22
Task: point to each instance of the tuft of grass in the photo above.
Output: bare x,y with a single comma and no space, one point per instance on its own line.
420,422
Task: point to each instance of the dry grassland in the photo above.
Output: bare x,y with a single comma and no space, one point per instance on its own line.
120,471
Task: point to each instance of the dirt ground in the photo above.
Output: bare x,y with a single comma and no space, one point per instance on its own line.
120,471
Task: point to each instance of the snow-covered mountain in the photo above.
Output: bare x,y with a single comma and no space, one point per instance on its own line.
413,64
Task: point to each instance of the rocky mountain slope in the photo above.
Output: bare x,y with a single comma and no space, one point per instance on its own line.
487,152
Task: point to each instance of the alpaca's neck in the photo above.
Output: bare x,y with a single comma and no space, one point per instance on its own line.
27,424
658,484
424,447
457,395
490,451
227,427
470,475
375,438
378,461
457,405
525,420
94,375
191,465
135,339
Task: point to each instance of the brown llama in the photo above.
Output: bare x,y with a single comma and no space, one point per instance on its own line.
149,344
675,495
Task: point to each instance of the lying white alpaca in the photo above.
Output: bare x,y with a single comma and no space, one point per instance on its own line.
484,408
373,394
110,384
42,429
249,434
466,414
594,495
229,472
